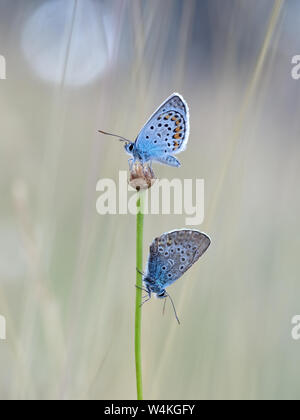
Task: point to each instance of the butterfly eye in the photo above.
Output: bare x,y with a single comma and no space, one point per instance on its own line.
130,148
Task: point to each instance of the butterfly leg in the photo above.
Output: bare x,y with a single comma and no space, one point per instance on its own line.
147,297
144,170
146,300
143,165
144,290
149,168
130,163
141,288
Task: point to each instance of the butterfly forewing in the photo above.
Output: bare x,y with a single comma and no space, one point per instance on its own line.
173,253
167,130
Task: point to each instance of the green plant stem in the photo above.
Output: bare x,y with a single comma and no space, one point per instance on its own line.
138,300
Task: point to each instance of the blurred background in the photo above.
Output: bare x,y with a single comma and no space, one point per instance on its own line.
67,274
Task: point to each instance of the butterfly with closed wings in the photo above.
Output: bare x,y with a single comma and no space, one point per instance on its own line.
165,134
171,255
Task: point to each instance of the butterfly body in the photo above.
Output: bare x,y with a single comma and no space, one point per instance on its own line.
171,255
137,154
165,134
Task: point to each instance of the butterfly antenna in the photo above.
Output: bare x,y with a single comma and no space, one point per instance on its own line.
176,316
114,135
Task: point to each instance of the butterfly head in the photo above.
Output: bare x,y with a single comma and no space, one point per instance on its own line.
161,295
130,148
152,286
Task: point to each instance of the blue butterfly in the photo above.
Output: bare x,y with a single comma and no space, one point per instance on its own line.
171,255
165,134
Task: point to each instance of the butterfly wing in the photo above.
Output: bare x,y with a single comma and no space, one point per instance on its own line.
173,253
166,132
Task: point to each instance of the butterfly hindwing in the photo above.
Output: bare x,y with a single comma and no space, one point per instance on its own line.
173,253
166,132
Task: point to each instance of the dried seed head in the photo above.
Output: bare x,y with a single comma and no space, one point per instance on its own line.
142,177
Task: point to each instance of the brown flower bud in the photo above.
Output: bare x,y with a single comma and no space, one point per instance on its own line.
142,177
